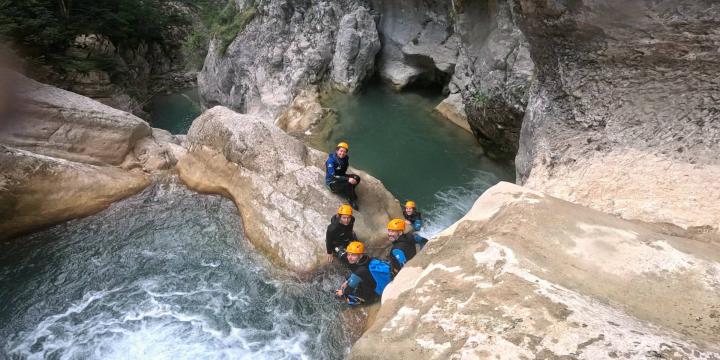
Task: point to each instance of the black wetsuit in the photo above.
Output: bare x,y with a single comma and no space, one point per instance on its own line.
415,224
403,249
361,282
411,218
338,236
336,178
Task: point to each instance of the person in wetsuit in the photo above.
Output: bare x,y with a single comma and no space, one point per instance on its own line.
414,219
360,285
339,234
403,245
336,176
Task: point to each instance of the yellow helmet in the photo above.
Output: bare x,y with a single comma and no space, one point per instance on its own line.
396,224
355,247
345,210
410,203
343,145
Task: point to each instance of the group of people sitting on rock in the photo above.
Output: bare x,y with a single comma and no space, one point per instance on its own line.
368,276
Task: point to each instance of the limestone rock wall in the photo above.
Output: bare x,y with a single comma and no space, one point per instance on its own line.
286,47
471,49
624,114
419,43
525,275
493,74
277,183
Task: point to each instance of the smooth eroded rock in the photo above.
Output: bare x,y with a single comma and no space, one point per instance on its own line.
38,191
524,275
54,122
278,185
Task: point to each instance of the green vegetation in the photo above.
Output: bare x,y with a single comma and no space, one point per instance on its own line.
222,23
48,27
42,30
479,99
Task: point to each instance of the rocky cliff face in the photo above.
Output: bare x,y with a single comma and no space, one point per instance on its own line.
524,275
286,47
492,75
472,49
624,114
277,183
63,155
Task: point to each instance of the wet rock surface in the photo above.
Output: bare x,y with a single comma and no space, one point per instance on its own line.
624,115
37,190
66,156
524,275
277,183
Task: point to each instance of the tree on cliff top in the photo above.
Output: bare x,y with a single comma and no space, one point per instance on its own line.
47,27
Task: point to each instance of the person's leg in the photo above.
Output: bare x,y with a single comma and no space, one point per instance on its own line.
342,187
352,196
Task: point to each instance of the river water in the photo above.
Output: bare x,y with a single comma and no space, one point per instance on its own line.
165,274
175,112
401,140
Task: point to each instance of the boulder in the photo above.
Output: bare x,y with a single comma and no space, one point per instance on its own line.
525,275
158,151
277,183
357,44
38,191
453,109
304,112
623,116
54,122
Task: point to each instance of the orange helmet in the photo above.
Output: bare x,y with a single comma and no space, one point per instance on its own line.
343,144
345,210
355,247
396,224
410,203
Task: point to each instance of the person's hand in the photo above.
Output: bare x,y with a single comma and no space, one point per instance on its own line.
329,258
408,222
352,181
339,293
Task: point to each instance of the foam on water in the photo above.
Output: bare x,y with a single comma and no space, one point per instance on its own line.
454,202
163,275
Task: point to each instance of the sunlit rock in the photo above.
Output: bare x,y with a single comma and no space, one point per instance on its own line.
278,185
38,190
524,275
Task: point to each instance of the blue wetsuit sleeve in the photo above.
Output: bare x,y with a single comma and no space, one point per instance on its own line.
353,282
330,174
420,240
399,257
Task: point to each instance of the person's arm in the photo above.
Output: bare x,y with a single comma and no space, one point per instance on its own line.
352,283
328,240
398,258
330,168
420,240
329,248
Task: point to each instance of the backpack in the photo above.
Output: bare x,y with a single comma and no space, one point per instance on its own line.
382,273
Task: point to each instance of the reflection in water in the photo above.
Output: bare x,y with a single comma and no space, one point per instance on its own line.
163,275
